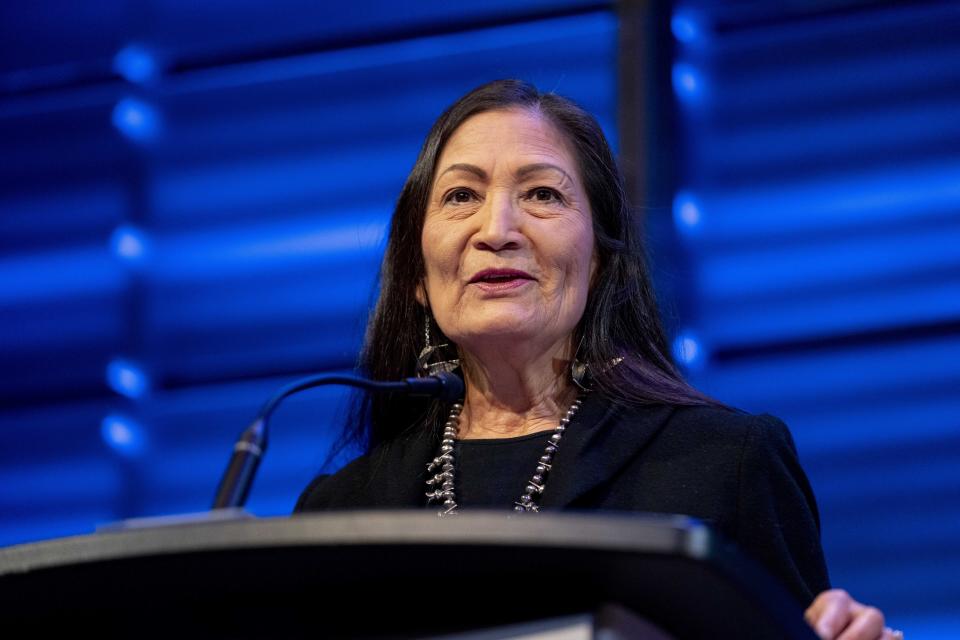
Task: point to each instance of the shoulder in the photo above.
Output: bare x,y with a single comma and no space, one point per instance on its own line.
771,511
725,422
759,445
718,430
718,462
390,476
327,491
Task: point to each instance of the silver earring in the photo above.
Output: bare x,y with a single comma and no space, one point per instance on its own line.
424,365
581,372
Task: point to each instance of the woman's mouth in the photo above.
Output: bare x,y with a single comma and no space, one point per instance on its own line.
498,280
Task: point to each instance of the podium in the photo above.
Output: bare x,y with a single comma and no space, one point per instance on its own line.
393,574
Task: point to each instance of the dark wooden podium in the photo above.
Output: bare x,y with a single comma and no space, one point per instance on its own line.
398,575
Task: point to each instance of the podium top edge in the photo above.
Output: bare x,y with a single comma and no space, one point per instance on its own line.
628,532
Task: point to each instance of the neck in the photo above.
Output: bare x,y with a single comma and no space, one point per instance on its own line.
510,393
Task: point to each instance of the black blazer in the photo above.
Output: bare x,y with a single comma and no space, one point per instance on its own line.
738,472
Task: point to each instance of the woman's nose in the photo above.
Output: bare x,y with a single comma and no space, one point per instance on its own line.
499,224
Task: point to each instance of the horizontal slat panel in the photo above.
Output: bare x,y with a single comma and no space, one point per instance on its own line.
841,314
842,140
37,51
912,193
803,269
829,431
251,222
84,214
318,241
72,273
820,204
831,376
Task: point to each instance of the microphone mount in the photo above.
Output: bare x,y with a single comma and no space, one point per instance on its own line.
252,444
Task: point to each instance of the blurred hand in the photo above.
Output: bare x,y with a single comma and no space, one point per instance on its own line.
834,615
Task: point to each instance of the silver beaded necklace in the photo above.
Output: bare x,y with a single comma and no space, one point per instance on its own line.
443,473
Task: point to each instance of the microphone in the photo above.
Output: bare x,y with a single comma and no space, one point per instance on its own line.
252,444
444,386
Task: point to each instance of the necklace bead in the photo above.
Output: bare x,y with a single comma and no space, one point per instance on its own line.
446,494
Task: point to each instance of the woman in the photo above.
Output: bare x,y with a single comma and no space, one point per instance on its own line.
513,258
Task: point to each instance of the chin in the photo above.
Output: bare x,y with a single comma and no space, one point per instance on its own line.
498,327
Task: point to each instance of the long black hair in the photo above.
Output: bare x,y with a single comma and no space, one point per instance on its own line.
621,319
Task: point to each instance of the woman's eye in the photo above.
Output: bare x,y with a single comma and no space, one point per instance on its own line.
544,194
459,196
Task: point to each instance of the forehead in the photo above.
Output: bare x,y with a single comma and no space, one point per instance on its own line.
513,135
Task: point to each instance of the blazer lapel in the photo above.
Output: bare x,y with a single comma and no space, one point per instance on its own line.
599,442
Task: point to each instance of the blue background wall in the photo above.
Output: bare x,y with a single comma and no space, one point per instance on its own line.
193,202
817,206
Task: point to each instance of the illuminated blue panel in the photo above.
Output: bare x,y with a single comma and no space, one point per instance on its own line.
872,307
136,63
841,262
54,525
860,200
831,428
153,295
61,315
46,483
688,350
137,119
127,378
687,213
124,435
263,248
689,83
47,499
687,26
302,181
210,421
253,25
130,244
877,72
828,376
297,148
47,217
71,273
819,204
802,147
316,104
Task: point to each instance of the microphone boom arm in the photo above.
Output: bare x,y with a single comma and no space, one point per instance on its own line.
252,444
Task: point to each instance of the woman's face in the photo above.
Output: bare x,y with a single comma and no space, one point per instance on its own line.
508,238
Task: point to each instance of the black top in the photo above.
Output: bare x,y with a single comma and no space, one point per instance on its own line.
738,472
493,473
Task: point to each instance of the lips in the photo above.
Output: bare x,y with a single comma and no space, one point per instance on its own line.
499,276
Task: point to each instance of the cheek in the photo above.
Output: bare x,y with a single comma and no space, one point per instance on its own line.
582,258
428,247
441,258
594,266
440,261
582,277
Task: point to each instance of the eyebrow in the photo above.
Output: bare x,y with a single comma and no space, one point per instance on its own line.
520,173
527,169
463,166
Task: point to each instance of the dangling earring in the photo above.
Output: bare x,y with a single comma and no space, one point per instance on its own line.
580,371
424,366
